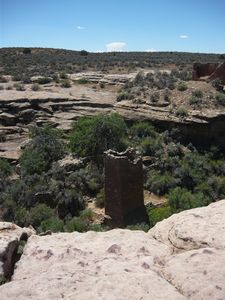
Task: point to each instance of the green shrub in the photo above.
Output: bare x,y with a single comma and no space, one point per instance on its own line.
32,162
140,226
97,227
159,183
193,100
197,93
181,86
3,79
102,85
40,213
44,80
27,79
5,168
76,224
155,97
123,95
82,81
88,180
149,146
142,130
63,75
19,87
26,51
47,142
220,98
17,77
100,199
157,214
84,53
35,87
66,83
86,214
55,77
21,216
91,136
54,224
181,199
182,112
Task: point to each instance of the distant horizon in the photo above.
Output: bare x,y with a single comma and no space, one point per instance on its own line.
103,26
110,52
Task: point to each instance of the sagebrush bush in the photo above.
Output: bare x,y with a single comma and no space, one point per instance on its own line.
66,83
5,168
181,86
159,183
182,112
142,130
53,224
220,98
44,80
76,224
82,81
150,146
40,213
100,198
182,199
32,162
35,87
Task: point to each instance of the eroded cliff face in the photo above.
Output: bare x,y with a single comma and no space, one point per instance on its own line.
182,257
60,107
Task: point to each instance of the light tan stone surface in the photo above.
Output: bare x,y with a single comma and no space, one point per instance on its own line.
180,258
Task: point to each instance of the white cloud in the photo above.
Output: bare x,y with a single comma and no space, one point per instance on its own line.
115,46
183,36
80,27
150,50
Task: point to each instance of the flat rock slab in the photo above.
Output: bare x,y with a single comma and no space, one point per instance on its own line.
113,265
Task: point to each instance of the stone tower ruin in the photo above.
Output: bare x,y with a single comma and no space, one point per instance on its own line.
124,201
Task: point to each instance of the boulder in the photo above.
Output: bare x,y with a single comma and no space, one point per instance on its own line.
193,229
10,236
70,163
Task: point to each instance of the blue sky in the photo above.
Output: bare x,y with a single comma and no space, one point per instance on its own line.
103,25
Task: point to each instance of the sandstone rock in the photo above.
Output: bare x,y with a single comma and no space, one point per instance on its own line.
193,229
197,274
181,258
69,163
112,265
10,235
7,119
